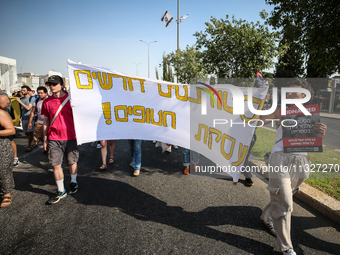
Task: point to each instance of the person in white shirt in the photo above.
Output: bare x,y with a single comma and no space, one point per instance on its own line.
282,183
36,111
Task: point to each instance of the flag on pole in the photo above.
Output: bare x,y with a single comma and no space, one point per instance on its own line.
167,18
182,18
259,74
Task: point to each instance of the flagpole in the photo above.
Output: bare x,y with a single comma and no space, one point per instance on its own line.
178,24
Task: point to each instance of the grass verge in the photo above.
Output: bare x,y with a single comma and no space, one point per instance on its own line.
326,175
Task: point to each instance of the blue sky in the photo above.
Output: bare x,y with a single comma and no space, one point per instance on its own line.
41,35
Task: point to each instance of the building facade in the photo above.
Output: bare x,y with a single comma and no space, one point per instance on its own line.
8,74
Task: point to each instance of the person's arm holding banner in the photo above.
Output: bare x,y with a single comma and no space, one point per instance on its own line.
270,118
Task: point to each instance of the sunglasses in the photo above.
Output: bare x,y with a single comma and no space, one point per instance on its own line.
52,84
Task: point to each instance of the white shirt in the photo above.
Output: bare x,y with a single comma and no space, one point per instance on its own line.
38,110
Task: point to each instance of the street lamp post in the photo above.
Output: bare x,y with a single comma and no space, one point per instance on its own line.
136,66
148,55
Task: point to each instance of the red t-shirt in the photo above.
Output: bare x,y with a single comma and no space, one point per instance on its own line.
62,129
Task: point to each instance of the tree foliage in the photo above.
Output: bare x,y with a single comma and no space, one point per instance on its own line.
186,63
166,70
291,63
316,27
237,48
157,74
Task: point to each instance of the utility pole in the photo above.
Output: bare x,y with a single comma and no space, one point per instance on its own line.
136,66
178,21
332,97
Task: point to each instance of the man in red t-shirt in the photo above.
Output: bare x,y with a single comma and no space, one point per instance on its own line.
60,136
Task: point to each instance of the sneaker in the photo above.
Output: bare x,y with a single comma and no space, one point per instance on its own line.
168,150
99,146
73,188
289,252
270,226
175,146
50,170
249,182
186,170
16,162
93,144
56,197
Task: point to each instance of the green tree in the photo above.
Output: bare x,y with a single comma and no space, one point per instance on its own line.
237,48
157,75
167,70
187,64
291,63
317,27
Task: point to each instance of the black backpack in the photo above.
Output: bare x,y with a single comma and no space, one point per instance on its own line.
35,118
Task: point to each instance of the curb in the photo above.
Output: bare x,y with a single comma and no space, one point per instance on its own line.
316,199
332,115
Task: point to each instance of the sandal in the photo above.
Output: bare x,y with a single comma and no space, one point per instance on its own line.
28,149
35,143
111,161
6,201
102,167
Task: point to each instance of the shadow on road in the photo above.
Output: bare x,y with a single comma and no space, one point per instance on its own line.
142,206
99,189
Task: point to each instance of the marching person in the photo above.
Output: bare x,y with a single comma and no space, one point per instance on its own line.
284,184
103,152
186,153
6,153
60,136
26,108
36,110
136,155
6,106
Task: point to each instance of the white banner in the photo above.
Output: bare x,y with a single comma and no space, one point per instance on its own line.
108,105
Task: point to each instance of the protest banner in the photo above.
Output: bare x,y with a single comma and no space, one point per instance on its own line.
108,105
16,111
298,134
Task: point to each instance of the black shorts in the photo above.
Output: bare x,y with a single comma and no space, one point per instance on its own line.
11,137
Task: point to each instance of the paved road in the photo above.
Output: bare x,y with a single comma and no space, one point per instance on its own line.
332,138
160,212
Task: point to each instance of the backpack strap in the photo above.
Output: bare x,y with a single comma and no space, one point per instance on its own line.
59,109
278,141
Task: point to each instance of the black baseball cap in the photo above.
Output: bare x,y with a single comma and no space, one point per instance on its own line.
55,79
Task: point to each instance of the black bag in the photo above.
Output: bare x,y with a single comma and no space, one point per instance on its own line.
266,157
35,118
